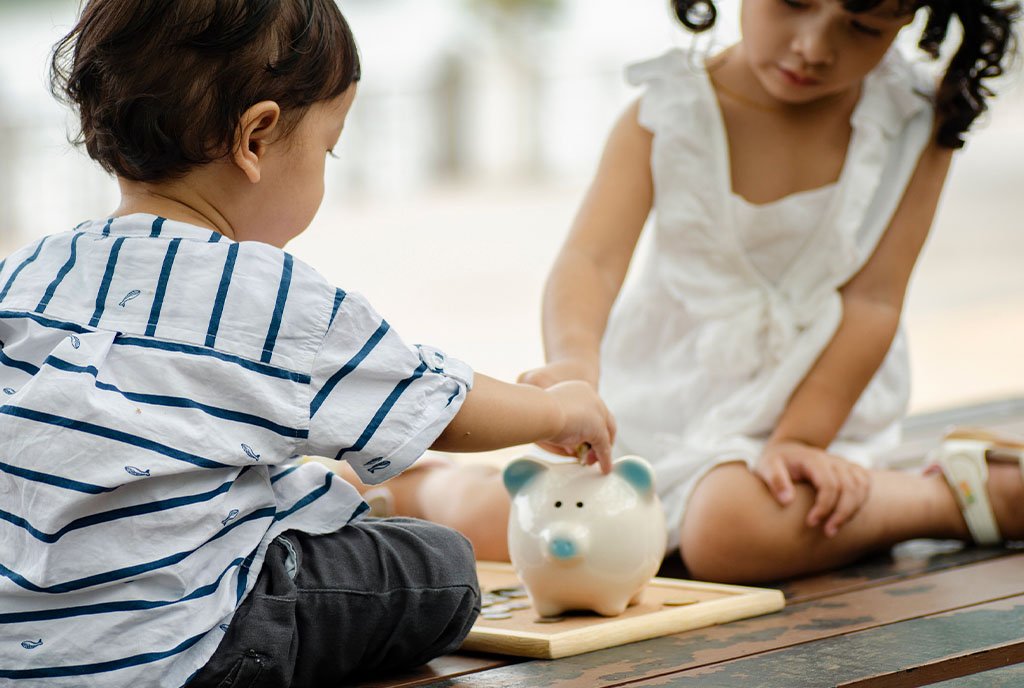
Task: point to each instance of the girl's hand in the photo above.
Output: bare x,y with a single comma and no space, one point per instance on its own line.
586,421
560,371
842,486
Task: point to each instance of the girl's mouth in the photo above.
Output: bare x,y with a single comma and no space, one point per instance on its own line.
798,79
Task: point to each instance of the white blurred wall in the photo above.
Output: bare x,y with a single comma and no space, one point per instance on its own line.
466,155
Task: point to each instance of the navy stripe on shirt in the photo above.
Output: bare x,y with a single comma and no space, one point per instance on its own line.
383,411
55,480
61,274
45,322
106,228
17,271
282,299
110,607
158,224
100,667
268,370
179,402
118,514
222,295
15,363
108,277
161,287
110,434
130,571
333,381
339,296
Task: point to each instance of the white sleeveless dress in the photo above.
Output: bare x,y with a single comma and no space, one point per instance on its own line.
732,303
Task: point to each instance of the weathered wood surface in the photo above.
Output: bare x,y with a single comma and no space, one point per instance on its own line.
926,612
915,652
799,624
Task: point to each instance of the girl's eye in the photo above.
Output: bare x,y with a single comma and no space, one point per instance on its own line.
795,4
865,29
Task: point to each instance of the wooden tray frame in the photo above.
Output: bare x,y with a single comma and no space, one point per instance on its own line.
586,633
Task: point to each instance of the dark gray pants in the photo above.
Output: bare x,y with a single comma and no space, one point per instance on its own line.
380,595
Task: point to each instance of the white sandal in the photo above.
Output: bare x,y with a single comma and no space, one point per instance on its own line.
963,458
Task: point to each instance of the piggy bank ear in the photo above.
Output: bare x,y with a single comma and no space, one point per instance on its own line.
521,471
637,473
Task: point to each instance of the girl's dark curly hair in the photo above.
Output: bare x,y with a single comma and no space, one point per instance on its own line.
988,44
160,85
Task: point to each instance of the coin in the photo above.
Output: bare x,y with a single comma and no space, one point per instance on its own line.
510,592
496,609
680,602
548,619
516,606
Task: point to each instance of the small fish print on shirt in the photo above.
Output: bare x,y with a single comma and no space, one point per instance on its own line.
9,392
137,472
133,294
232,515
75,341
31,644
250,453
223,627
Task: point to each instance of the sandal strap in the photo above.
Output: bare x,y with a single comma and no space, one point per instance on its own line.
964,465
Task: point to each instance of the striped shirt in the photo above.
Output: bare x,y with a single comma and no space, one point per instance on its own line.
156,381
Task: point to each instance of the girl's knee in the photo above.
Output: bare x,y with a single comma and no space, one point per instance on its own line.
726,523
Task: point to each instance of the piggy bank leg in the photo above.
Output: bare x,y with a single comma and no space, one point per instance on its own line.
545,608
612,607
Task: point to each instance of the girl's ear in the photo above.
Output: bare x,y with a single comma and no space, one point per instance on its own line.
255,130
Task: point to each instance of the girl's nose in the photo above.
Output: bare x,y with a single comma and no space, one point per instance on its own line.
813,43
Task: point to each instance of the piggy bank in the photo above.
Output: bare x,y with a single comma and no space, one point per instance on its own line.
581,540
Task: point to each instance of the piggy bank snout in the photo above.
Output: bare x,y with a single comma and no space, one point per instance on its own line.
564,544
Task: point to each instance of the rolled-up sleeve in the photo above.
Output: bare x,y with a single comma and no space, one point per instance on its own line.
376,401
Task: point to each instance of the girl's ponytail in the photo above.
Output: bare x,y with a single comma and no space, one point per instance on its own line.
987,41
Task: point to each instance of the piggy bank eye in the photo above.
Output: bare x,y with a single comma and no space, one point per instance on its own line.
558,505
579,505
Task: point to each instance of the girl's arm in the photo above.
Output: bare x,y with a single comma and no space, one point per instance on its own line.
872,303
497,414
592,264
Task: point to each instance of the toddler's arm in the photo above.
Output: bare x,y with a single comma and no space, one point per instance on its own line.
497,414
872,303
592,264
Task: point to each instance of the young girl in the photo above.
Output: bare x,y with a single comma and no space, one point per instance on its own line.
757,359
160,367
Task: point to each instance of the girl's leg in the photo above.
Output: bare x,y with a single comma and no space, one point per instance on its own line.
469,499
735,531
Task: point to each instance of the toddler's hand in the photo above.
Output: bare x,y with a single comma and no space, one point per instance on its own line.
587,421
842,486
560,371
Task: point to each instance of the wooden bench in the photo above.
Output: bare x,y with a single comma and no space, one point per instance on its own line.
927,613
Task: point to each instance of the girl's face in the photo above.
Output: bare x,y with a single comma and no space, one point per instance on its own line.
804,50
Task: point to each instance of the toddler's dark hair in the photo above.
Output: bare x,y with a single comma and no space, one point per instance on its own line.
988,44
160,85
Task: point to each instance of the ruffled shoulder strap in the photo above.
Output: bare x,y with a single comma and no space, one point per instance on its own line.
895,92
672,79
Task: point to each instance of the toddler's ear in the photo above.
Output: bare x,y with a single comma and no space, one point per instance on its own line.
255,129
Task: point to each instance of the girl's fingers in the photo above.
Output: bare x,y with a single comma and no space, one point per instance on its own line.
776,477
826,483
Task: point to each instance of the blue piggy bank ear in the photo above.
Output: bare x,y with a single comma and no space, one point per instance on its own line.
521,471
637,473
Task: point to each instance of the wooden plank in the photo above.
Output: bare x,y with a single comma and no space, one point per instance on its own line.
911,653
1006,677
800,623
449,666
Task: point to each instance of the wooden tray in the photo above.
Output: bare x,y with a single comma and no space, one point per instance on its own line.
668,606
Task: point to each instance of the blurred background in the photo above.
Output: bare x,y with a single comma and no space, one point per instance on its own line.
476,129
